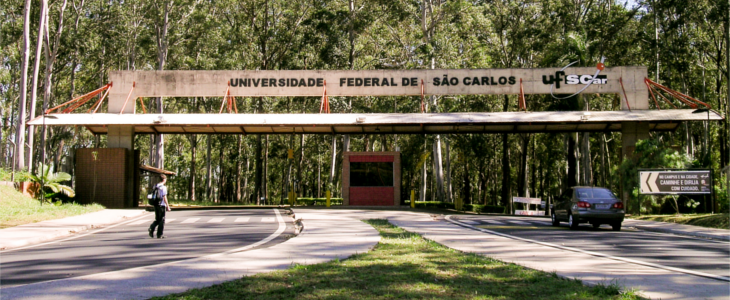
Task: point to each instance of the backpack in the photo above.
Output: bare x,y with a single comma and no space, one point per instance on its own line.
154,198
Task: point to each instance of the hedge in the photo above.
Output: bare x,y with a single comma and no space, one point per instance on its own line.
318,201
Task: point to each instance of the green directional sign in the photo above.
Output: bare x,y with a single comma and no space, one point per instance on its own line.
675,182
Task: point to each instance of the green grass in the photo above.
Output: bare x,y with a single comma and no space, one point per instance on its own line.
721,221
18,209
406,266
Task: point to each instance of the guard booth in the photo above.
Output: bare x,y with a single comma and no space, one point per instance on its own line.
371,178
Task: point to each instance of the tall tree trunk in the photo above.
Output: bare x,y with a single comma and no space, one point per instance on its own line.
161,31
19,156
466,191
572,161
193,168
245,180
238,169
266,170
333,165
301,161
522,182
587,173
424,177
221,168
727,100
258,170
34,87
506,170
3,125
533,170
319,172
50,60
449,191
209,176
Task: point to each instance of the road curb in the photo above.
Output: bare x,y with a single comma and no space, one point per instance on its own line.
681,232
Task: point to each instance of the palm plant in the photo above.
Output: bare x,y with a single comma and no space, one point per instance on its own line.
52,183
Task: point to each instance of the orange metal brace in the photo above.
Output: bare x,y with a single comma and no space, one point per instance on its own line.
621,80
522,103
225,97
98,103
141,101
81,99
128,95
325,103
692,102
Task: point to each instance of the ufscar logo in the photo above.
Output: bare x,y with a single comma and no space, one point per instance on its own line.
573,79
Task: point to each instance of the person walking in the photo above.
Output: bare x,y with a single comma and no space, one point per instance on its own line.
160,208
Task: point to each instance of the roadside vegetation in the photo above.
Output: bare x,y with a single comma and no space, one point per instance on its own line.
18,209
721,221
404,265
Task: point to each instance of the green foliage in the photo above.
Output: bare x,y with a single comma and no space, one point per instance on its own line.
52,183
650,154
20,176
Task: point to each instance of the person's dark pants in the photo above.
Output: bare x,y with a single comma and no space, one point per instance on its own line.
159,220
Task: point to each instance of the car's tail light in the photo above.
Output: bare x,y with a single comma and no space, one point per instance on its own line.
584,204
619,205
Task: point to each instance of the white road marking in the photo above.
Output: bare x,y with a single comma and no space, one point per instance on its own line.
495,222
267,220
518,222
598,254
169,220
243,219
191,220
215,220
469,222
141,222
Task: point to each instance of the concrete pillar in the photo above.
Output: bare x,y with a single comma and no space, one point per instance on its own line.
121,136
636,98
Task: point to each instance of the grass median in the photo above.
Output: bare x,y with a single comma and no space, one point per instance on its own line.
720,221
18,209
404,265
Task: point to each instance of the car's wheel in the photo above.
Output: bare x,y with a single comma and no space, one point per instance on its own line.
573,223
555,219
596,225
616,226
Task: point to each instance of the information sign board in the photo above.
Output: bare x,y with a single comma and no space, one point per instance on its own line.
675,182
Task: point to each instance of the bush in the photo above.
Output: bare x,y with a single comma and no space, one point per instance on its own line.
318,201
20,176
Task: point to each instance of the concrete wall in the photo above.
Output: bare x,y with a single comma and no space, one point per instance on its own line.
361,83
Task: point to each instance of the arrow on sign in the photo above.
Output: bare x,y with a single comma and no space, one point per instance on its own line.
652,182
643,182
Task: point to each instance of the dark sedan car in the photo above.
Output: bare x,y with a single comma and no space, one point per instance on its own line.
582,204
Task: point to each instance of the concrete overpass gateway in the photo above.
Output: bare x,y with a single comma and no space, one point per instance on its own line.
122,122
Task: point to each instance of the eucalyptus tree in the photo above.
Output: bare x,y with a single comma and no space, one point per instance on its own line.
20,129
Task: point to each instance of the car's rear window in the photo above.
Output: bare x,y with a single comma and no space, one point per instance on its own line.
594,193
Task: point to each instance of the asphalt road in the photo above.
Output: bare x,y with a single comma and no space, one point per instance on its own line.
189,234
669,250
